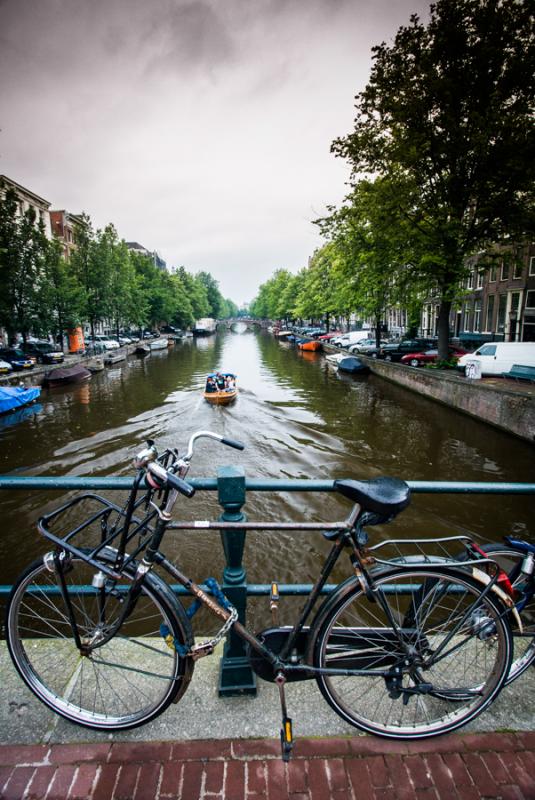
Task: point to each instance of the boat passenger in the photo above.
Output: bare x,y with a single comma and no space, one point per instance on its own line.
219,382
211,385
230,383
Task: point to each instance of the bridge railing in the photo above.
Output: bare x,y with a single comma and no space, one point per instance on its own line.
231,485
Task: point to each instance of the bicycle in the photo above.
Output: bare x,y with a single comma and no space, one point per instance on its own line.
123,647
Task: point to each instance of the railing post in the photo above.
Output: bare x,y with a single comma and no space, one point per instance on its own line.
236,675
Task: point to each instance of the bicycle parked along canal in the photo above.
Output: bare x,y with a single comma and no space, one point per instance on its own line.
398,650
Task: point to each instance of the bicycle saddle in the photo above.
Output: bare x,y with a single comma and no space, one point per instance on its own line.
384,496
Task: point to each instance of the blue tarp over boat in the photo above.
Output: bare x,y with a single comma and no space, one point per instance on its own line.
352,365
12,397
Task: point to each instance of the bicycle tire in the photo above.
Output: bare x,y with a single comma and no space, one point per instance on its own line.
510,560
420,697
129,679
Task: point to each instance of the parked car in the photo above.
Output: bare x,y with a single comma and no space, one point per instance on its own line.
5,367
15,357
105,342
44,352
347,339
430,356
326,337
396,351
365,345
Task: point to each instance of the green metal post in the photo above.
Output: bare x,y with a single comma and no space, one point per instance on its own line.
235,675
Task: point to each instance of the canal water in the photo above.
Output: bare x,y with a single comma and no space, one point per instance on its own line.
298,419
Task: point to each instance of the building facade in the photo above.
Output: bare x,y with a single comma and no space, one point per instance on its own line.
63,225
26,199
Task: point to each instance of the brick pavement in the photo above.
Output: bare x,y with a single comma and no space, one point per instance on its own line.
457,767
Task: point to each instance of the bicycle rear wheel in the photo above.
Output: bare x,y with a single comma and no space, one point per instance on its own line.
126,679
422,679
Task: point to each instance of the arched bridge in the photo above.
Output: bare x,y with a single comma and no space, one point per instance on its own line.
247,321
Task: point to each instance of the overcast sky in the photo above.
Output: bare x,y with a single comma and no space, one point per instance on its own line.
201,129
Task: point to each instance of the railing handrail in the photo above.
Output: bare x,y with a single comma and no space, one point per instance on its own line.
261,484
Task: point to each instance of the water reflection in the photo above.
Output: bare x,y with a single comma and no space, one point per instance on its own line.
297,417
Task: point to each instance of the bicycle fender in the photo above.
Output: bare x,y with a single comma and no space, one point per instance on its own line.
485,579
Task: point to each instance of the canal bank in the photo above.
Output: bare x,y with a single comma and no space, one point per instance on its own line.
506,404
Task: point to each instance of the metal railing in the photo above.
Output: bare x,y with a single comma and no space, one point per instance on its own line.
231,484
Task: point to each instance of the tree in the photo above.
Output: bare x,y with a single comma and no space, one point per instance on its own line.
60,295
374,246
23,245
213,295
449,110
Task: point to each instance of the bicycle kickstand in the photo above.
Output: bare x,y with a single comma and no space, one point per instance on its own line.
287,741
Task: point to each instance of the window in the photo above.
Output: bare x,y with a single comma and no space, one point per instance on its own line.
505,270
470,281
492,274
502,307
487,350
480,275
477,316
515,302
532,265
489,317
467,308
518,269
530,299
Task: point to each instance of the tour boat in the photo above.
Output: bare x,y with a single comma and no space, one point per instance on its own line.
221,397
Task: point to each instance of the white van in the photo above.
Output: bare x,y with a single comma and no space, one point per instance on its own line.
498,357
352,337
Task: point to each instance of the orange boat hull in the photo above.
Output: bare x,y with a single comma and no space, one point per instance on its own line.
310,345
220,398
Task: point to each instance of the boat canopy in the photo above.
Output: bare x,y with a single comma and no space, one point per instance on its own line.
225,374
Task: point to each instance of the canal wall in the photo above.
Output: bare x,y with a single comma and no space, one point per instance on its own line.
497,402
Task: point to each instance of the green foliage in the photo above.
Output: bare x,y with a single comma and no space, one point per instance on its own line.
43,293
449,109
22,253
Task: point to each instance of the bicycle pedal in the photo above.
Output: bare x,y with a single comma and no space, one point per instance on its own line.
287,741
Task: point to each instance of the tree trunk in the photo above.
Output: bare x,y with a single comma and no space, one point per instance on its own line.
378,331
443,328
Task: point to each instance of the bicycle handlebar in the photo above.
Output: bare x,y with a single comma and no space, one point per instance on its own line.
210,435
169,478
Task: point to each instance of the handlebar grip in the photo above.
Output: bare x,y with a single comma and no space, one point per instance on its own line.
233,443
182,486
165,477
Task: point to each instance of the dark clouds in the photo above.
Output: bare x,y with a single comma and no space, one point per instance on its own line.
200,128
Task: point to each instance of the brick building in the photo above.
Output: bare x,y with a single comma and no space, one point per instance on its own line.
64,225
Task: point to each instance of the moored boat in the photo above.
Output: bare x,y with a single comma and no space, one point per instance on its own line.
217,396
157,344
142,349
309,344
62,375
95,364
352,365
14,397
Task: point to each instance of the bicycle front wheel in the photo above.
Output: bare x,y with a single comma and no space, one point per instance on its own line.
422,678
510,560
118,681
